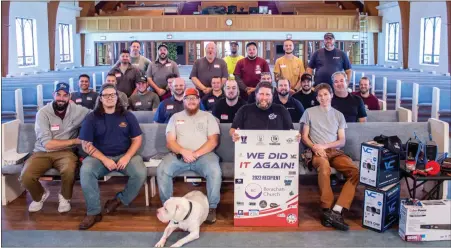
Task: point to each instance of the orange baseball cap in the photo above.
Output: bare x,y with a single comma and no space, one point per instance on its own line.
191,91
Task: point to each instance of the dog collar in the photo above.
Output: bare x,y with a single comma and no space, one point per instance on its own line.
187,215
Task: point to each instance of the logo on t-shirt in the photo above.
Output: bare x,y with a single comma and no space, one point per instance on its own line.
123,124
335,57
313,102
272,116
200,127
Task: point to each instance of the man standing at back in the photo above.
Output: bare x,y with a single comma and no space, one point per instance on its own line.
248,70
56,129
158,71
323,131
84,97
206,68
289,67
126,74
233,58
327,61
136,59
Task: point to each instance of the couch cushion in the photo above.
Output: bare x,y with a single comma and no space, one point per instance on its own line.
12,169
382,116
27,138
144,116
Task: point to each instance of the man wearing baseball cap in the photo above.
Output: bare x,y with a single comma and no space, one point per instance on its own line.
327,61
160,69
56,128
233,58
143,100
306,95
191,136
248,70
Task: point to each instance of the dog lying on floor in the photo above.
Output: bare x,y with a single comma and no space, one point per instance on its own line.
187,213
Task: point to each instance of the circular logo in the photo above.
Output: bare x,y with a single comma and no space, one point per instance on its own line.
292,218
253,191
379,203
263,204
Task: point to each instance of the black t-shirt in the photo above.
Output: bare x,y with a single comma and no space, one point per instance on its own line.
209,100
351,107
307,100
87,100
226,113
250,117
326,63
293,106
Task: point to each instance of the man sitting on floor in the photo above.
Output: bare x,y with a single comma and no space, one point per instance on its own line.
191,136
323,131
111,136
56,128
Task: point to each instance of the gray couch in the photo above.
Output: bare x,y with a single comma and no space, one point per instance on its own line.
154,141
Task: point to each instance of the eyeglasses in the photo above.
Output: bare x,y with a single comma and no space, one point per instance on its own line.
113,95
194,98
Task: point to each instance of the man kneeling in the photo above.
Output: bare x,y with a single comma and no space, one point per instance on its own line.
192,135
324,132
111,136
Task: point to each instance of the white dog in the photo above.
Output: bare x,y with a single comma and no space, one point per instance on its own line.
187,213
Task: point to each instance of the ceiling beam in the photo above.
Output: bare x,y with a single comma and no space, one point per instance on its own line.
370,7
5,37
404,8
52,11
88,8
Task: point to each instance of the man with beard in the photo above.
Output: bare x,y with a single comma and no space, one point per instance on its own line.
328,60
370,100
126,74
226,108
143,100
84,97
172,105
306,95
263,115
233,58
56,129
111,79
350,105
111,136
265,77
206,68
323,131
248,70
210,99
289,67
136,59
192,135
283,98
160,69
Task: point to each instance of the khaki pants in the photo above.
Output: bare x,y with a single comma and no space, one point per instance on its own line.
64,161
342,163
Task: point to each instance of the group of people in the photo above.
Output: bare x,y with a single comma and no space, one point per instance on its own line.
99,131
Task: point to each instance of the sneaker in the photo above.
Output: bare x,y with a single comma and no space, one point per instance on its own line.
36,206
324,220
64,205
336,220
211,218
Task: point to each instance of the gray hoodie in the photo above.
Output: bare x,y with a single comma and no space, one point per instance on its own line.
49,126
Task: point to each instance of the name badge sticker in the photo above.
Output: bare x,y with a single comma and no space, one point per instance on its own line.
258,72
54,127
224,117
170,107
283,66
118,75
89,98
138,104
217,66
78,100
180,122
168,65
211,100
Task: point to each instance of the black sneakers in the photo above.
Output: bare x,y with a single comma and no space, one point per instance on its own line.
335,219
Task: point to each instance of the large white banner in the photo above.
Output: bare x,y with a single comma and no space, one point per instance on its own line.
266,178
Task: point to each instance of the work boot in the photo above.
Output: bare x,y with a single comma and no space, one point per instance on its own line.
111,205
211,218
89,221
336,220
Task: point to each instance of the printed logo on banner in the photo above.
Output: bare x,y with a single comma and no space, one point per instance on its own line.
273,205
240,203
252,203
263,204
275,140
290,140
292,218
253,191
292,173
294,156
243,139
260,139
282,215
239,181
254,212
240,212
287,181
291,193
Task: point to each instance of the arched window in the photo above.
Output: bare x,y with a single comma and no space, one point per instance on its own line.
25,40
430,40
65,38
392,41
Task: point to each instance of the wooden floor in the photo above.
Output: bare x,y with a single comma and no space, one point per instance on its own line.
138,217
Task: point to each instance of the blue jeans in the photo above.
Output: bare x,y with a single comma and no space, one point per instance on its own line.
206,166
92,169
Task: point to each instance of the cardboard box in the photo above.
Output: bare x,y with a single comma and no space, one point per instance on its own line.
378,166
429,221
381,207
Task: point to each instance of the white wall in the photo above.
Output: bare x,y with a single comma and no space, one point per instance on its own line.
390,12
37,11
91,38
420,10
67,14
